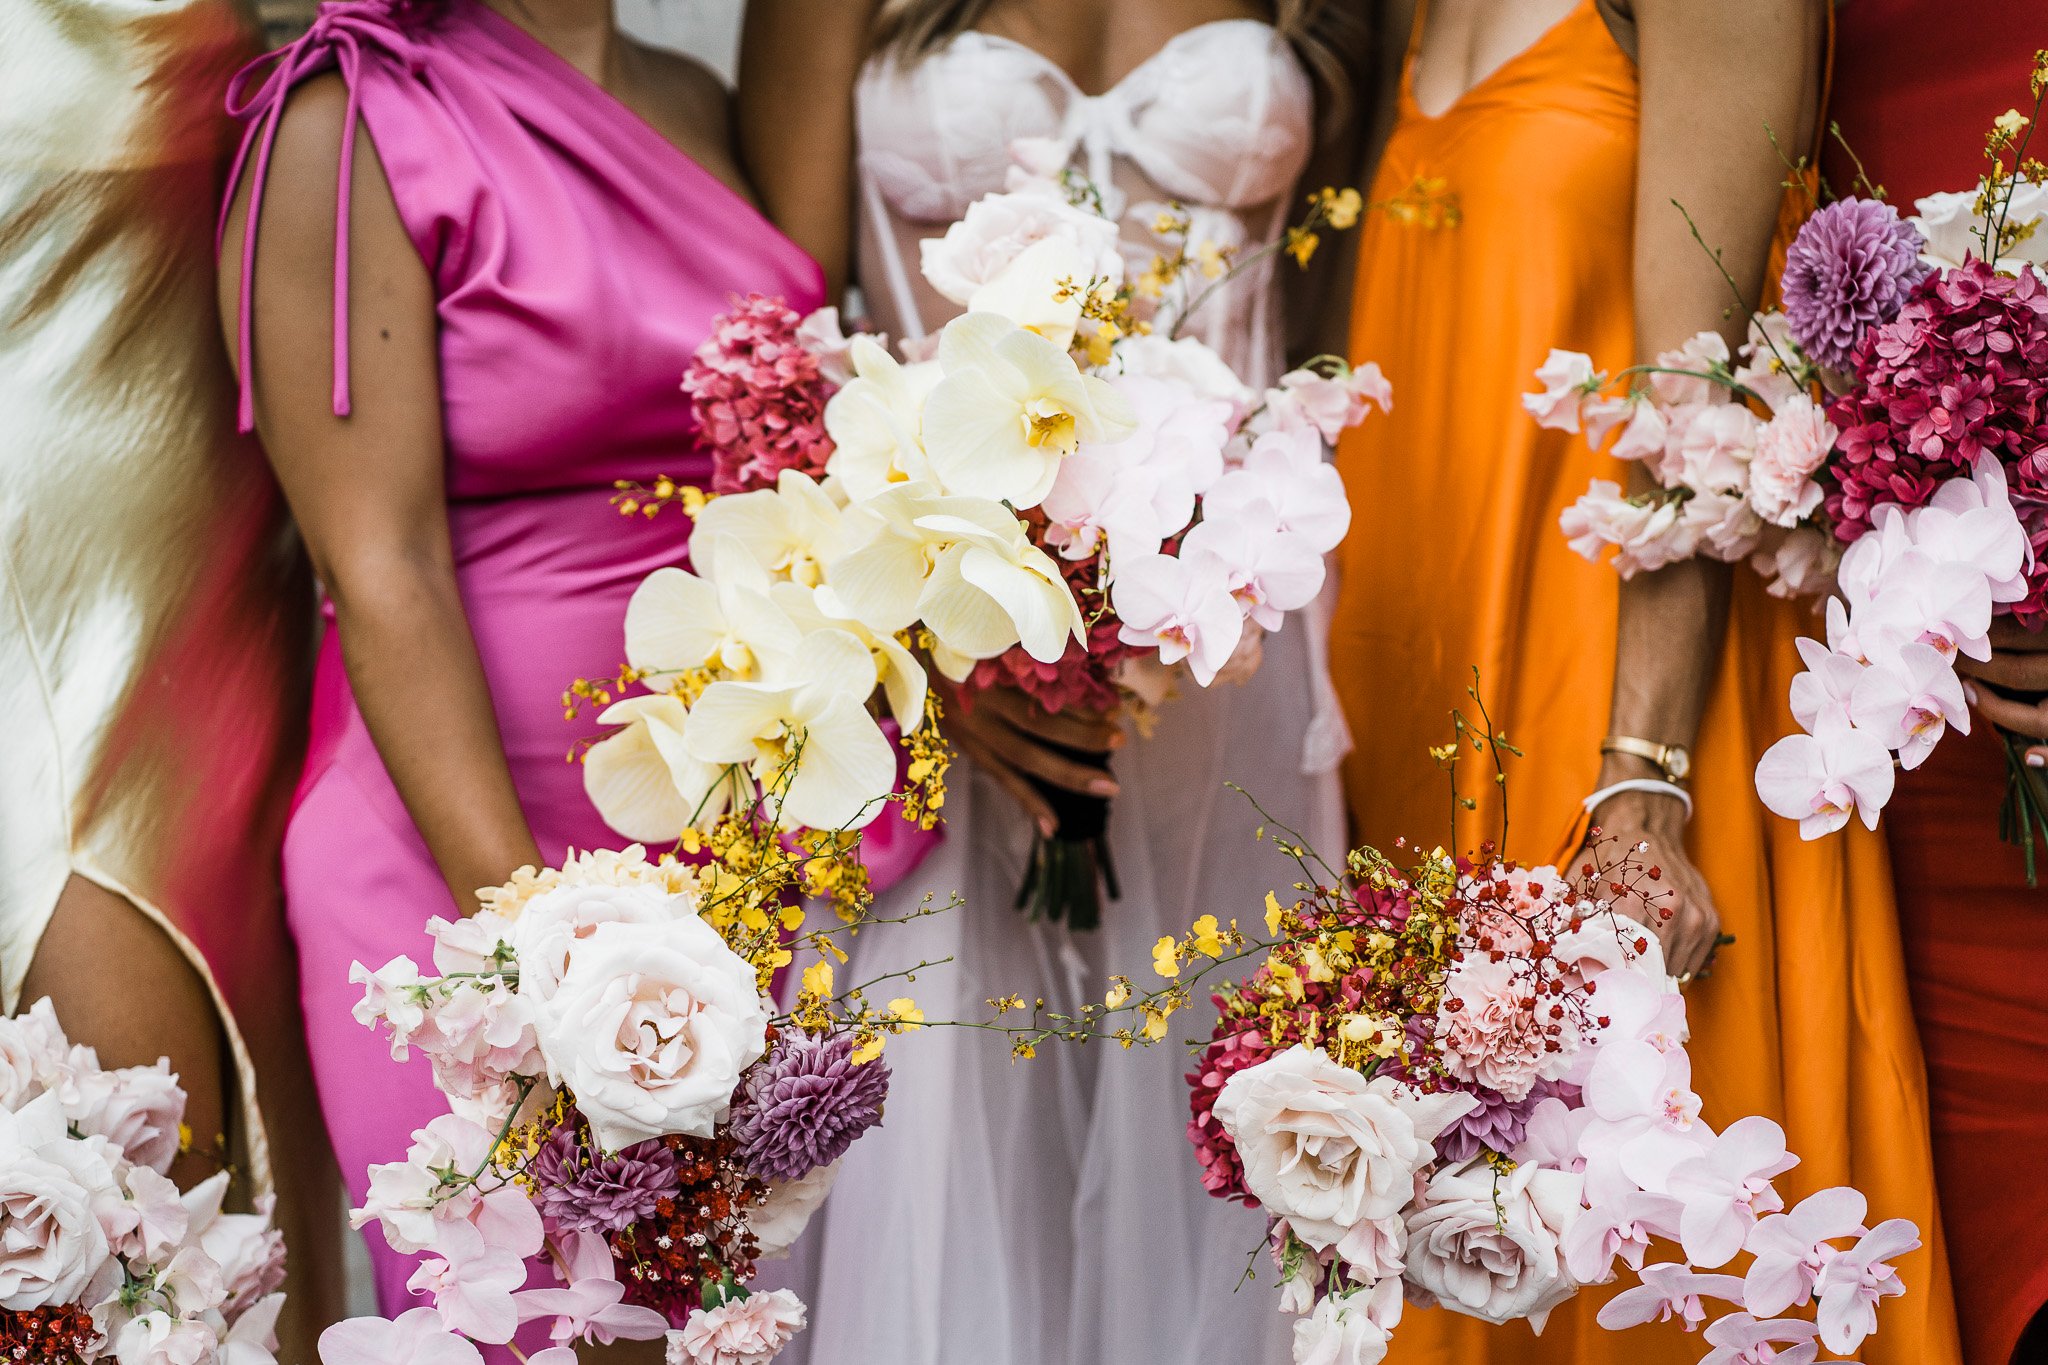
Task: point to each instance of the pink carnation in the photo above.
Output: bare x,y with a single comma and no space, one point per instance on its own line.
758,394
1488,1029
748,1331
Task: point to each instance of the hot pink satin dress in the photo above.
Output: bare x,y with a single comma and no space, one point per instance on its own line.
578,258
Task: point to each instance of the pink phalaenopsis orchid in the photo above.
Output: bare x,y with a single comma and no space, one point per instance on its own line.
1669,1289
1727,1187
1269,571
1853,1281
471,1284
1908,702
1823,778
1740,1339
590,1307
417,1337
1180,606
1789,1250
1287,470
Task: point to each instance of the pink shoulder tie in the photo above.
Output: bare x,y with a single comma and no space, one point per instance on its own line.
340,32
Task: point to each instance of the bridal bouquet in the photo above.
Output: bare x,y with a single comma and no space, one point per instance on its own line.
103,1259
1185,512
1463,1082
1880,437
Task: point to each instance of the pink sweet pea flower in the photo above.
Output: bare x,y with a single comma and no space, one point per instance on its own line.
1645,434
590,1309
414,1338
1789,1250
1823,778
1726,1187
1180,607
1908,701
1567,378
1670,1289
1853,1281
471,1284
1739,1339
1330,403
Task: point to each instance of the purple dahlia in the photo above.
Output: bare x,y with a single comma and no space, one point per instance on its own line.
1849,270
1497,1123
577,1189
804,1105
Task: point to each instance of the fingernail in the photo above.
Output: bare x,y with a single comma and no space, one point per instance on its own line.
2037,759
1047,827
1970,693
1102,786
1117,739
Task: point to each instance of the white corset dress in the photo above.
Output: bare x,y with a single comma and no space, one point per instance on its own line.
1051,1212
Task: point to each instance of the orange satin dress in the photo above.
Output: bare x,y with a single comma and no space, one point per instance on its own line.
1504,228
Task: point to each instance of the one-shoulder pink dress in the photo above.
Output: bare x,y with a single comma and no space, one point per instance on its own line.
578,258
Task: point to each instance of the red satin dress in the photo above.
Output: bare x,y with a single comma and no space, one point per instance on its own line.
1917,83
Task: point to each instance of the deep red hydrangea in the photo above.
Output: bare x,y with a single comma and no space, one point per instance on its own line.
1243,1045
759,397
1962,371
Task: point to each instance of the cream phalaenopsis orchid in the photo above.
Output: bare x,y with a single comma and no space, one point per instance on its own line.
875,420
791,530
1010,407
643,779
803,733
677,621
965,568
901,677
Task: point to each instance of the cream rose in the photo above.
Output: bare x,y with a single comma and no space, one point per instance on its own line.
1184,360
999,228
650,1028
1326,1148
1485,1243
53,1246
554,922
138,1109
782,1217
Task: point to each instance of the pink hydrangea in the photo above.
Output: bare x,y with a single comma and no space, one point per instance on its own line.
759,395
1962,371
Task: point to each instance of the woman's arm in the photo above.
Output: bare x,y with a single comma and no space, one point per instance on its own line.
367,490
1716,80
799,60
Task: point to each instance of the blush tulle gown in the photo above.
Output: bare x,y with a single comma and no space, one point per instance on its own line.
578,258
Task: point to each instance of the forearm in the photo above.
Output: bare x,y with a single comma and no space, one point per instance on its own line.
417,678
1667,651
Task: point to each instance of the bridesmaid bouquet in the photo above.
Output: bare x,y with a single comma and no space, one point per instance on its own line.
101,1257
635,1124
1882,438
1461,1082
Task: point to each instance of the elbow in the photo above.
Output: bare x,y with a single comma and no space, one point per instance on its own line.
393,584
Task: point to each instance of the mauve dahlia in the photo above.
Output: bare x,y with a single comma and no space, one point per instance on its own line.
1849,270
579,1190
1497,1123
804,1105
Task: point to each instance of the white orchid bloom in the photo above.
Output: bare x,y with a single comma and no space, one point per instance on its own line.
1181,607
1041,290
966,569
677,620
1010,408
874,421
804,734
644,781
1131,495
790,531
1269,571
902,678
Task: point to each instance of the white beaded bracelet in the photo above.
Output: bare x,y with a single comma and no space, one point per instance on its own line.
1640,784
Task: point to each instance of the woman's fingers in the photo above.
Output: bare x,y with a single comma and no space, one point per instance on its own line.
2022,718
1028,798
1029,756
2009,635
1091,730
2008,669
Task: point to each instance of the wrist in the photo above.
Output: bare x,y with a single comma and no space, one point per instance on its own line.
1662,813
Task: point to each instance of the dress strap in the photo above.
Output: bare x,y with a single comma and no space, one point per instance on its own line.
338,38
909,317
